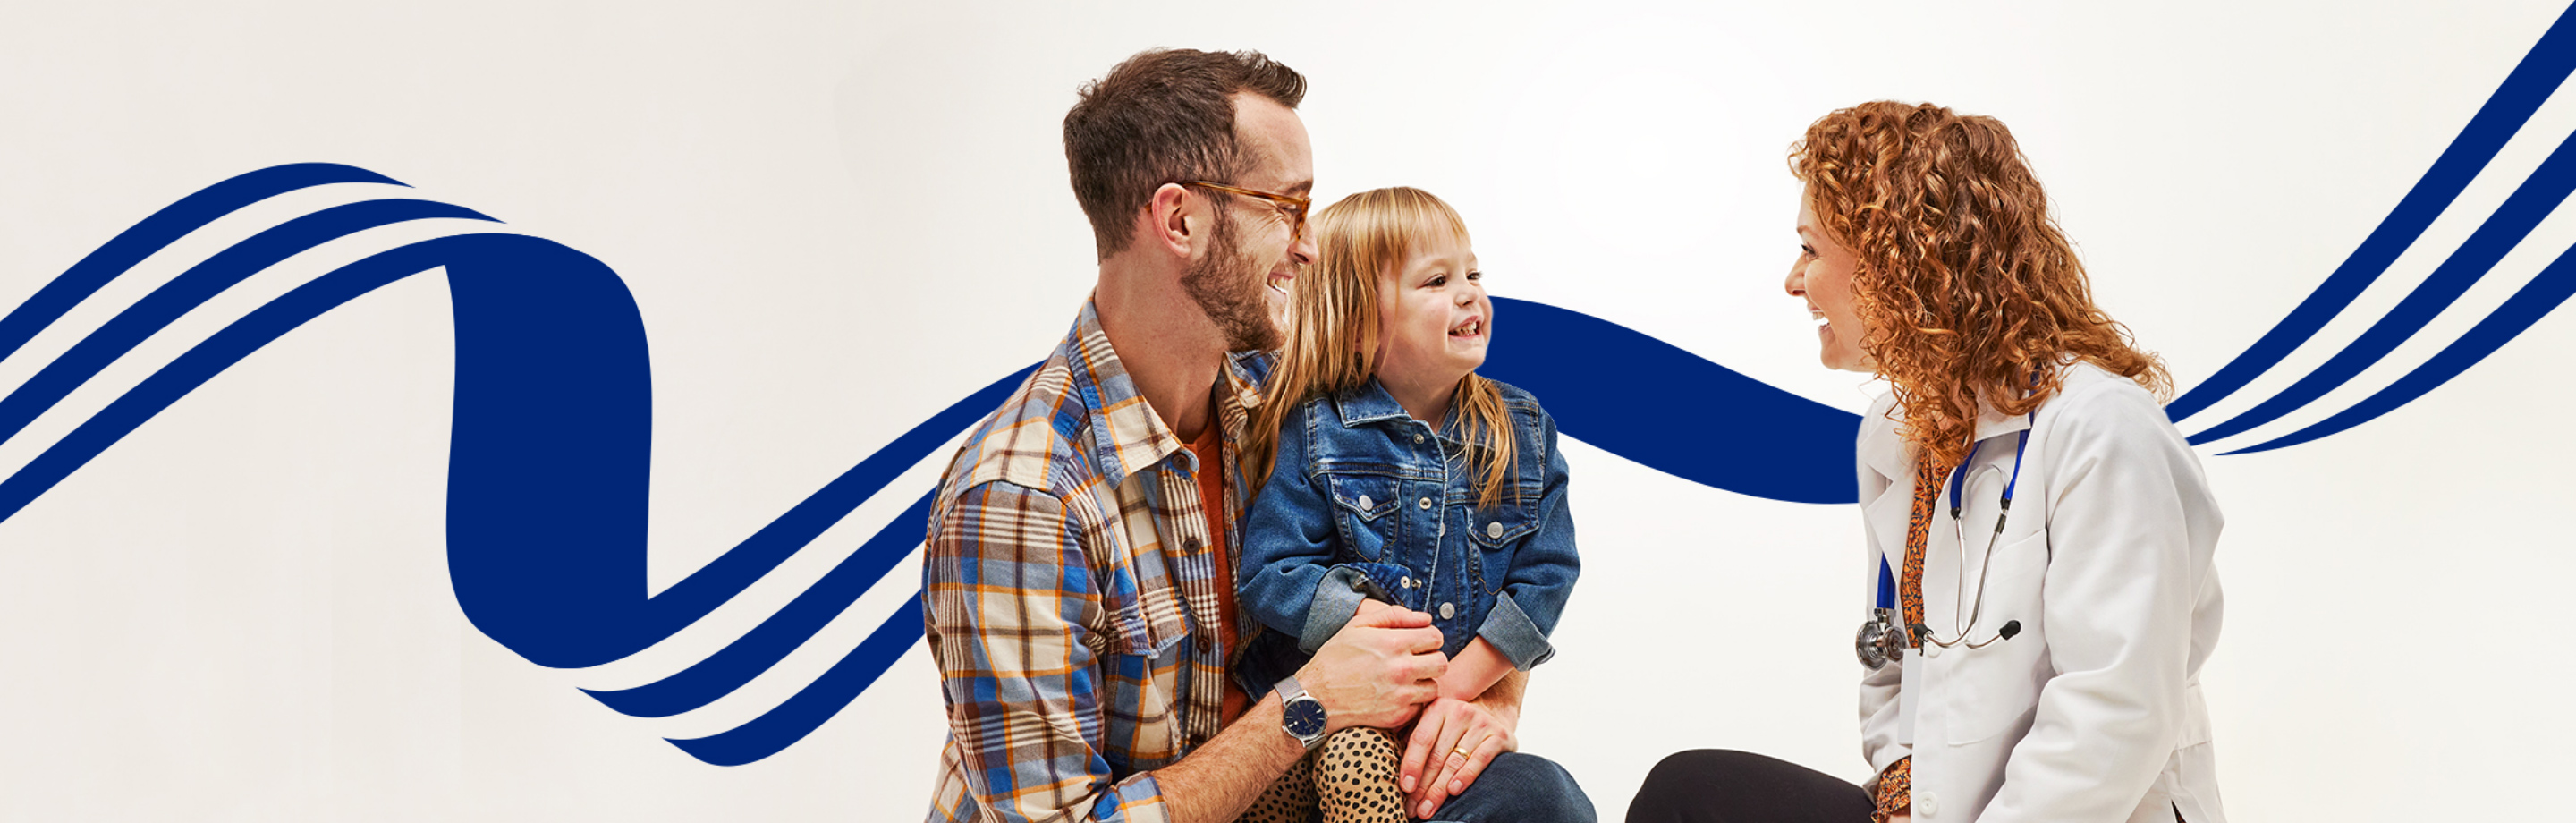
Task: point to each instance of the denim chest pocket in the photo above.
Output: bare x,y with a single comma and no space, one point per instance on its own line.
1364,507
1495,532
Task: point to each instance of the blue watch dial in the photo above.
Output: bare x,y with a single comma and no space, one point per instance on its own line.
1303,717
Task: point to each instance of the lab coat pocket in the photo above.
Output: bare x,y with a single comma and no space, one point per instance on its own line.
1993,690
1362,504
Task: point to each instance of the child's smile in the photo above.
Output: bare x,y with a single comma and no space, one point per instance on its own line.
1433,320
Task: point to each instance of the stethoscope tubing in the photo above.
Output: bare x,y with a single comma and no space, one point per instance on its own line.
1920,633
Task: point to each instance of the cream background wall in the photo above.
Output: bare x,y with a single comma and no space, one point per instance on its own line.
838,219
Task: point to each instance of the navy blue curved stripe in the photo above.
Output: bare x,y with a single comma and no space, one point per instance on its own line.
194,287
2530,83
1600,379
164,227
718,581
550,458
2533,200
2534,301
801,715
203,362
726,670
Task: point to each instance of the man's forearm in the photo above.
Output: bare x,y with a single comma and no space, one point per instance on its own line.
1218,781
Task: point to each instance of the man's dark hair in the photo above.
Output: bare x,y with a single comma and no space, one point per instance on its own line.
1162,116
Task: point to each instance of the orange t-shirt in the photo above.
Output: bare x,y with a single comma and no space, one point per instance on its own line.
1210,447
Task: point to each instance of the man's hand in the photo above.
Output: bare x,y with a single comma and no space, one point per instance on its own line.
1378,670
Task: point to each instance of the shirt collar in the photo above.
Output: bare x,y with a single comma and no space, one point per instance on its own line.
1126,435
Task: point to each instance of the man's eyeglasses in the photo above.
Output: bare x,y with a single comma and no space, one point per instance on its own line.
1295,206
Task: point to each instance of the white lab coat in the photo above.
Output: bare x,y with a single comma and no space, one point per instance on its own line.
2092,712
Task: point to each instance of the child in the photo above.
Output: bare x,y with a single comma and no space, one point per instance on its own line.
1395,473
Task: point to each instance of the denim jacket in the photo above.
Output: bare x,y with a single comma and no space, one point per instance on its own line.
1362,491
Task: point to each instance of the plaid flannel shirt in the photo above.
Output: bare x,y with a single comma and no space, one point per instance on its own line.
1070,595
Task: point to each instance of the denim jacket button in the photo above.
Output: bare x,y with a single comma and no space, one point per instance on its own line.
1426,502
1494,530
1448,610
1404,583
1366,503
1417,437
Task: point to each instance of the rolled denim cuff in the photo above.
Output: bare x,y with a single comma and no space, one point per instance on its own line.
1337,598
1510,631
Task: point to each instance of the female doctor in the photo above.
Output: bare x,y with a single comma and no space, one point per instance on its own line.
2038,534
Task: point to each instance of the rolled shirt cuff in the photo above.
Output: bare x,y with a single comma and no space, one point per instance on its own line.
1510,631
1337,599
1139,799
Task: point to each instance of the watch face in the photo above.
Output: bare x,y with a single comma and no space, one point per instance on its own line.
1303,717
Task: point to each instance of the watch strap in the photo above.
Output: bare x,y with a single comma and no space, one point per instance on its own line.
1288,689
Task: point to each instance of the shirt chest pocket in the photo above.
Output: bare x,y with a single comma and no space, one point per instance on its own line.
1146,617
1146,632
1365,507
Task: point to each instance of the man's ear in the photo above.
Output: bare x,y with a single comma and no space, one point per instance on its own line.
1168,222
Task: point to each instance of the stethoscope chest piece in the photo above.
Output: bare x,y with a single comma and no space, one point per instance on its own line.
1879,641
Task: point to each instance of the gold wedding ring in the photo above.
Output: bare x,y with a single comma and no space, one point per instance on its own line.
1460,751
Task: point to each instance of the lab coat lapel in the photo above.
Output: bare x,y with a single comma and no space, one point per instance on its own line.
1882,450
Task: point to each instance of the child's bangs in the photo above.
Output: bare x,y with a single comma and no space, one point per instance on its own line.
1381,228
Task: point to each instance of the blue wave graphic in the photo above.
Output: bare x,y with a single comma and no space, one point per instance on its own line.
2532,82
551,443
550,453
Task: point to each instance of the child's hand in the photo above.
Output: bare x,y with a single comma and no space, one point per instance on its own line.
1451,744
1476,668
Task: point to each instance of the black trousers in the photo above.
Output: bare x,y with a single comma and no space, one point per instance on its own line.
1719,786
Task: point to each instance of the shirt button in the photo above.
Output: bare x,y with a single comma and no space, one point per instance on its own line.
1366,503
1426,502
1448,610
1494,530
1930,650
1925,805
1190,544
1203,645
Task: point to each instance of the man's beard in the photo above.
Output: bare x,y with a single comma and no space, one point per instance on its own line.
1229,289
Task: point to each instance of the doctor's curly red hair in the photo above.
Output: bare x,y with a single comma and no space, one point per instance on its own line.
1964,283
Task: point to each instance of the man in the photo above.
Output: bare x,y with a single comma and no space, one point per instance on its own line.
1079,586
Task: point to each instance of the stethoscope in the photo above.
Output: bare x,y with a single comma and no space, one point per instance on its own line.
1879,640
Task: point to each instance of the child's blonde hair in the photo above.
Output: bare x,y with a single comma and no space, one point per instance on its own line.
1332,336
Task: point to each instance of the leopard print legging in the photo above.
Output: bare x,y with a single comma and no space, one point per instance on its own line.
1349,779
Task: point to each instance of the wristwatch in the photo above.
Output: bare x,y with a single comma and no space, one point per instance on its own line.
1300,714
